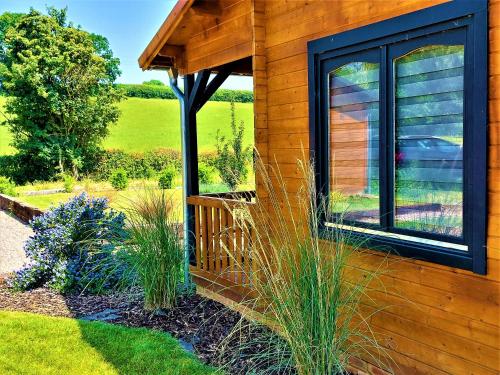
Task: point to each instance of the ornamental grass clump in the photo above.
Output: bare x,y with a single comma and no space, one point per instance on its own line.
308,284
154,251
62,252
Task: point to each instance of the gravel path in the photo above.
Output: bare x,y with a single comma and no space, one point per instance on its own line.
13,233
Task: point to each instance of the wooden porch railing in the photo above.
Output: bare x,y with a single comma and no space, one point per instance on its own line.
223,240
246,196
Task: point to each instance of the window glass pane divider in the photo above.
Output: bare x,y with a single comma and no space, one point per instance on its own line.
389,139
383,157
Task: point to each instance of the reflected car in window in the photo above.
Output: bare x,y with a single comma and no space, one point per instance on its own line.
421,148
430,159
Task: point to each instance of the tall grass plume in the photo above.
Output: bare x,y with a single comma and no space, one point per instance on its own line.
308,284
154,250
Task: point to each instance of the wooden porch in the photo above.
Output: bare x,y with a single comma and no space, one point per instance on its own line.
206,42
223,243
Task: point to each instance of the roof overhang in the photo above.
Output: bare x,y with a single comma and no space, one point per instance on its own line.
216,25
162,35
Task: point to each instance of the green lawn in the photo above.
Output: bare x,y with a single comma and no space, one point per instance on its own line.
120,200
147,124
32,344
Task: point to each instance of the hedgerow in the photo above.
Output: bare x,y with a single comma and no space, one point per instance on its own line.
165,92
136,165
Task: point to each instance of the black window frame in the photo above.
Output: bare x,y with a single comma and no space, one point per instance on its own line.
469,18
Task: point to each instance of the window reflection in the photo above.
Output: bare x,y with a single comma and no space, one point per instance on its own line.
354,151
429,140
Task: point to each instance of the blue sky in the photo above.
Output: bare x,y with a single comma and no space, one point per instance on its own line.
128,24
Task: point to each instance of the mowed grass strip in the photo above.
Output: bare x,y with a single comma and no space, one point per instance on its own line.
148,124
32,344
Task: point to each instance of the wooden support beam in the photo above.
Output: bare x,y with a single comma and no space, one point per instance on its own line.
214,84
196,94
199,88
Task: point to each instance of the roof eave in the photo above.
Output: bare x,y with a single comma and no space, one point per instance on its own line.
164,33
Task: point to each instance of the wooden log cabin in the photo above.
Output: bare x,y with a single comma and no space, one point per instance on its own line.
398,103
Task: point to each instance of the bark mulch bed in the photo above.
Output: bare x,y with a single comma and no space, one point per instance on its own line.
199,323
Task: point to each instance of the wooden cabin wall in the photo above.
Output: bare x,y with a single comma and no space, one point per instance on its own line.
228,39
444,320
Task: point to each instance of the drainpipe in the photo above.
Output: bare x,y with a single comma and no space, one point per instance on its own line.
172,75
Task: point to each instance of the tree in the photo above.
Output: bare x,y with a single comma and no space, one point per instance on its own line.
232,158
7,20
153,82
59,79
103,49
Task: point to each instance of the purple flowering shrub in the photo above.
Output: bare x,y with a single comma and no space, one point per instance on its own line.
72,249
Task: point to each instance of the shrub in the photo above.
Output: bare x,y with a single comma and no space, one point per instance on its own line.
167,178
162,158
149,173
69,183
154,253
208,157
62,252
119,179
232,158
205,173
7,187
308,284
154,82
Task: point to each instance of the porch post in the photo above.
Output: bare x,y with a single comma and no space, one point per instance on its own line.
195,95
189,167
189,151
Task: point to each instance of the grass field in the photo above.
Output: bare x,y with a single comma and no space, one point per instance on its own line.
147,124
34,344
119,200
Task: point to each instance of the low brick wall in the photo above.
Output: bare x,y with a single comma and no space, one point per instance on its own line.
21,210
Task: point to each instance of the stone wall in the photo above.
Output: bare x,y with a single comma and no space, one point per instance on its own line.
21,210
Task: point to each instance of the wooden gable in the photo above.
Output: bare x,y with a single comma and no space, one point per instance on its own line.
202,34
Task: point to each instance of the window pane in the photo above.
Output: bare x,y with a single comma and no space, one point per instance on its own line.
429,140
354,137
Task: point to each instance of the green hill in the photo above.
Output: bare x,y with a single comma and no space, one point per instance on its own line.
147,124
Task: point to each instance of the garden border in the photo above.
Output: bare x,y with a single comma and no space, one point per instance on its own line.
21,210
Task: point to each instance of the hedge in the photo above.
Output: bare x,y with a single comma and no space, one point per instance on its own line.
141,164
165,92
136,165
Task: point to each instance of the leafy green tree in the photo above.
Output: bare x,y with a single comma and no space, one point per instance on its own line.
232,158
59,79
153,82
7,20
103,49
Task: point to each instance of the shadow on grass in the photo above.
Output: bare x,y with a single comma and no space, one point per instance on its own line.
140,350
38,344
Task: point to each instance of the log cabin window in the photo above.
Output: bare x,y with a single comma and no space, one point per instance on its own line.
398,133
